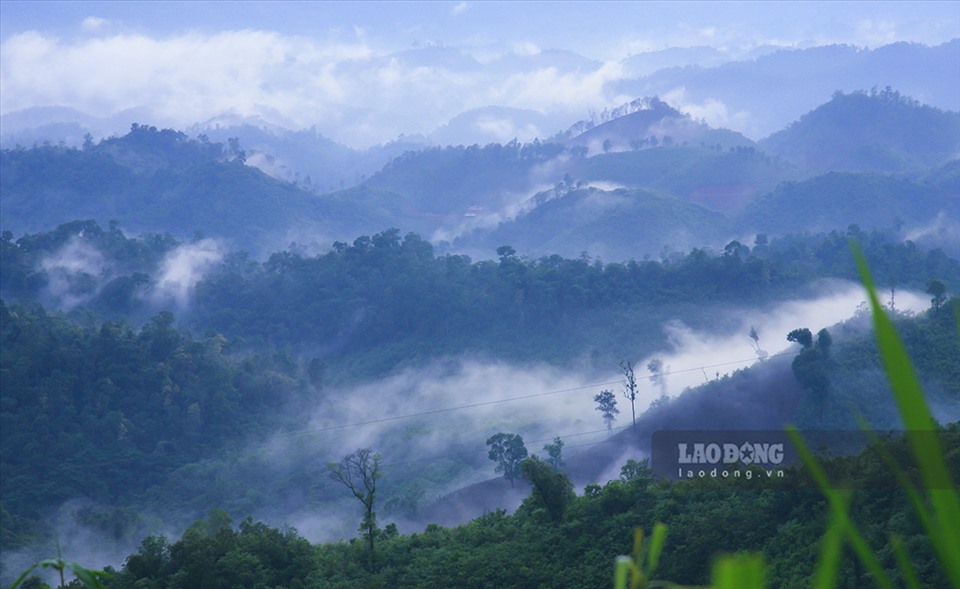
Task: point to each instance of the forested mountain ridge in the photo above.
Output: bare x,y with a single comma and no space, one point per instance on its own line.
160,180
801,79
865,199
880,131
152,180
647,122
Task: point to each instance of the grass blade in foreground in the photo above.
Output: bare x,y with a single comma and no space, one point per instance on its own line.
838,511
916,416
831,548
739,571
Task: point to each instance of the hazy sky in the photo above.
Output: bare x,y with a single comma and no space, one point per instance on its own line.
335,64
601,30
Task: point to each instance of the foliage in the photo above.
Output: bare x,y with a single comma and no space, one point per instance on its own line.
938,291
104,410
639,567
532,548
90,579
554,451
508,451
801,336
387,301
607,406
552,490
254,555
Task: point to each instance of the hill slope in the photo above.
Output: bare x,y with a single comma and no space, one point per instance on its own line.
615,225
161,181
836,200
879,132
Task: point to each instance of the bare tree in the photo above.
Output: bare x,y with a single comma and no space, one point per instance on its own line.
359,473
630,388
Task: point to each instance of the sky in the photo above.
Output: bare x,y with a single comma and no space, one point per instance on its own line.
347,67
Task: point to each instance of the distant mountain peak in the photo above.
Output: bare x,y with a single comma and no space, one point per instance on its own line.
651,104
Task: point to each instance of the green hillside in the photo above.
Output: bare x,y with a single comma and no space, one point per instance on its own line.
839,199
161,181
614,225
719,179
882,132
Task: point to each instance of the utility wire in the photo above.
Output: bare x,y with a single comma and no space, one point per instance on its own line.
508,400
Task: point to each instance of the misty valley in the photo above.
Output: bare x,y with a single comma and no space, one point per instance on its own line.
240,355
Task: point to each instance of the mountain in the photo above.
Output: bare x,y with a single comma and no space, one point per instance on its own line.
161,181
643,164
877,131
617,224
718,179
305,157
838,199
437,189
60,124
693,164
800,80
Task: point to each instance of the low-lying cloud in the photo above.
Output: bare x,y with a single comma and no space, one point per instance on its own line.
695,356
183,267
74,273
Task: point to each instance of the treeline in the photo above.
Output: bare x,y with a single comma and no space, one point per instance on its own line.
558,539
387,299
396,297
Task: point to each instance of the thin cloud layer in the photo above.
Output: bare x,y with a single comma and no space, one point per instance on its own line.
345,71
345,89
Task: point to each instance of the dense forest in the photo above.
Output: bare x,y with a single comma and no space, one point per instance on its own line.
140,416
386,291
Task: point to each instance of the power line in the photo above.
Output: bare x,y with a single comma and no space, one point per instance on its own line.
507,400
444,410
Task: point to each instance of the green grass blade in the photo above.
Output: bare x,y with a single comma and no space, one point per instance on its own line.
839,512
916,416
89,578
657,539
831,548
903,480
909,574
25,574
739,571
638,547
621,571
